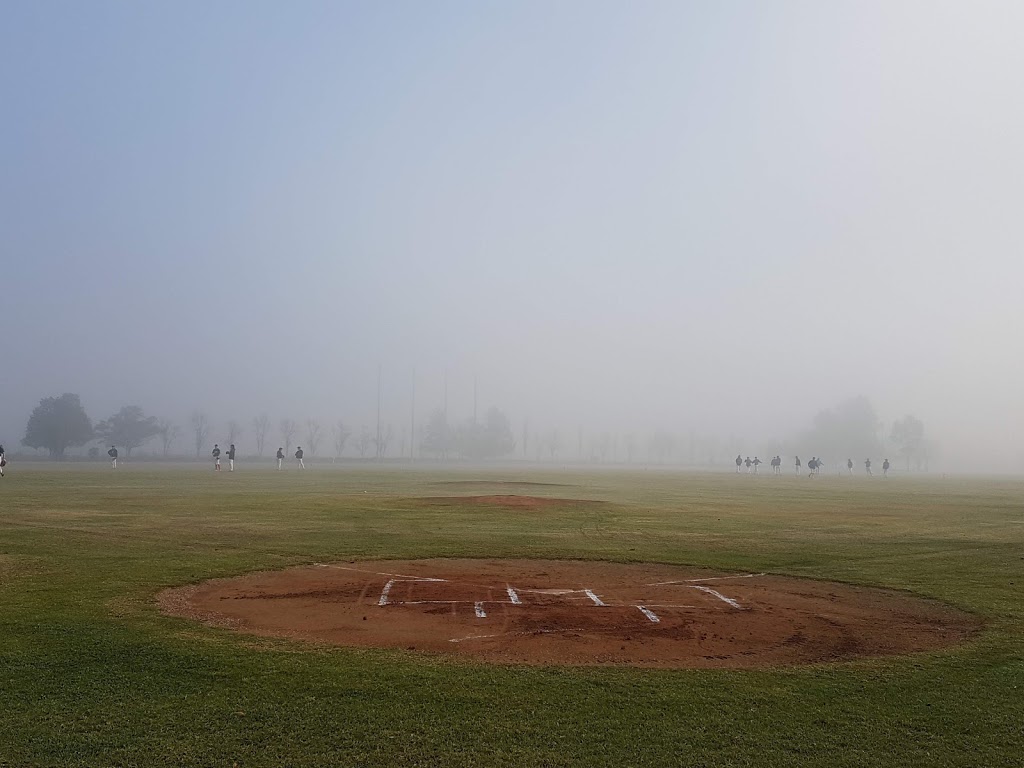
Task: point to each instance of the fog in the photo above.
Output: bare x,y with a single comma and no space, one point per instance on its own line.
714,220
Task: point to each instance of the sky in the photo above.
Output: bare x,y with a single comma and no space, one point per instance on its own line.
701,217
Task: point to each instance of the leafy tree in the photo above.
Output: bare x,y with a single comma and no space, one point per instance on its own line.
437,438
58,423
908,437
129,428
849,430
487,440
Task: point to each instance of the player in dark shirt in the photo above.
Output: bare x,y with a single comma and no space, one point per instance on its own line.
298,456
112,453
216,457
231,458
280,457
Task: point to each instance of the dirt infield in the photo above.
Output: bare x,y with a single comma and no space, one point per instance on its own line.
570,612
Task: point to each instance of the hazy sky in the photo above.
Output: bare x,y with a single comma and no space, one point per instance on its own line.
720,216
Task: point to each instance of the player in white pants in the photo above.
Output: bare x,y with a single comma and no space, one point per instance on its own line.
231,458
280,457
112,453
298,456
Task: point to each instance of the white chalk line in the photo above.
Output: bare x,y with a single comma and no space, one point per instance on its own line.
384,594
709,578
595,598
480,612
514,634
719,595
513,597
651,615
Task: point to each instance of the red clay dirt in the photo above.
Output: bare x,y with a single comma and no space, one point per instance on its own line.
572,612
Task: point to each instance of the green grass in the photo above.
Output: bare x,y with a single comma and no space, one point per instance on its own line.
91,674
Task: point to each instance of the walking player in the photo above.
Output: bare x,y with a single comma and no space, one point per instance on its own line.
885,466
112,453
280,457
231,458
3,461
739,463
216,457
298,456
849,466
798,465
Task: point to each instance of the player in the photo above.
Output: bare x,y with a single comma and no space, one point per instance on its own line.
813,466
280,457
112,453
749,464
216,457
849,466
798,465
867,466
739,463
3,461
757,463
231,458
885,466
298,456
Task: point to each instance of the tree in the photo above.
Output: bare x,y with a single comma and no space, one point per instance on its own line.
341,433
260,425
288,428
168,434
436,436
312,436
57,424
908,437
235,431
381,441
201,430
129,428
364,442
553,443
487,440
660,446
849,430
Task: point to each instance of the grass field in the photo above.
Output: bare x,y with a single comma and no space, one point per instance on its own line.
93,675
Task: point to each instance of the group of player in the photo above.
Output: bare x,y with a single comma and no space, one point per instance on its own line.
216,453
814,465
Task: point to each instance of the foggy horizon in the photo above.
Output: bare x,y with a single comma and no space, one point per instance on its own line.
719,220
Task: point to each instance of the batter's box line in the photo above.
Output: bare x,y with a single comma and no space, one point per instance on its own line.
709,578
387,587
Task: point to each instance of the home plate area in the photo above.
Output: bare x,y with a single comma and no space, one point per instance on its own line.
574,612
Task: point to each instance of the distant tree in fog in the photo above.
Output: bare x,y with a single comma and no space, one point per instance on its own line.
629,442
489,439
380,442
57,424
129,428
168,434
201,430
553,443
288,429
341,433
235,431
437,438
660,446
526,435
908,437
364,442
260,425
849,430
312,436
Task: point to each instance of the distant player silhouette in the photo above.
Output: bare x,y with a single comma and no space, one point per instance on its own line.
216,457
749,464
298,457
231,458
280,457
757,463
798,465
867,466
849,466
112,453
739,463
885,468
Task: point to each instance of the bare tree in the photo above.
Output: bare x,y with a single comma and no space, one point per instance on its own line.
201,429
341,433
381,441
168,434
288,428
235,431
260,425
312,436
364,442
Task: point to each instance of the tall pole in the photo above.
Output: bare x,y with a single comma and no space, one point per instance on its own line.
444,447
378,411
474,401
412,420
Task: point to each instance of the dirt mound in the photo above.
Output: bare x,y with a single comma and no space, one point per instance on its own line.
503,483
508,500
567,612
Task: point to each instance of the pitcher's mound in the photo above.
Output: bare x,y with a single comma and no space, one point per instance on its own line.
570,612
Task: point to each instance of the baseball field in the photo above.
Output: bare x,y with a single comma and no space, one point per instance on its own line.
380,616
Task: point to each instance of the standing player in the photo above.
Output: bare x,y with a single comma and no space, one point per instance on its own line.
739,463
849,466
231,458
298,456
216,457
112,453
3,461
885,466
280,457
798,465
867,466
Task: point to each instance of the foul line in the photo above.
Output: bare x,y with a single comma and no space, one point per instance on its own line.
710,578
595,598
719,595
513,634
513,597
649,614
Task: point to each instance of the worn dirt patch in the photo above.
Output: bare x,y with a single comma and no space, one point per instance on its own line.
507,500
501,483
579,613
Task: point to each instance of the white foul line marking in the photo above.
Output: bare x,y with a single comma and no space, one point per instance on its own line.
719,595
592,596
384,595
514,634
513,597
480,612
649,614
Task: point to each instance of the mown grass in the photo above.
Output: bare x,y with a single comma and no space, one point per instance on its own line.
93,675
